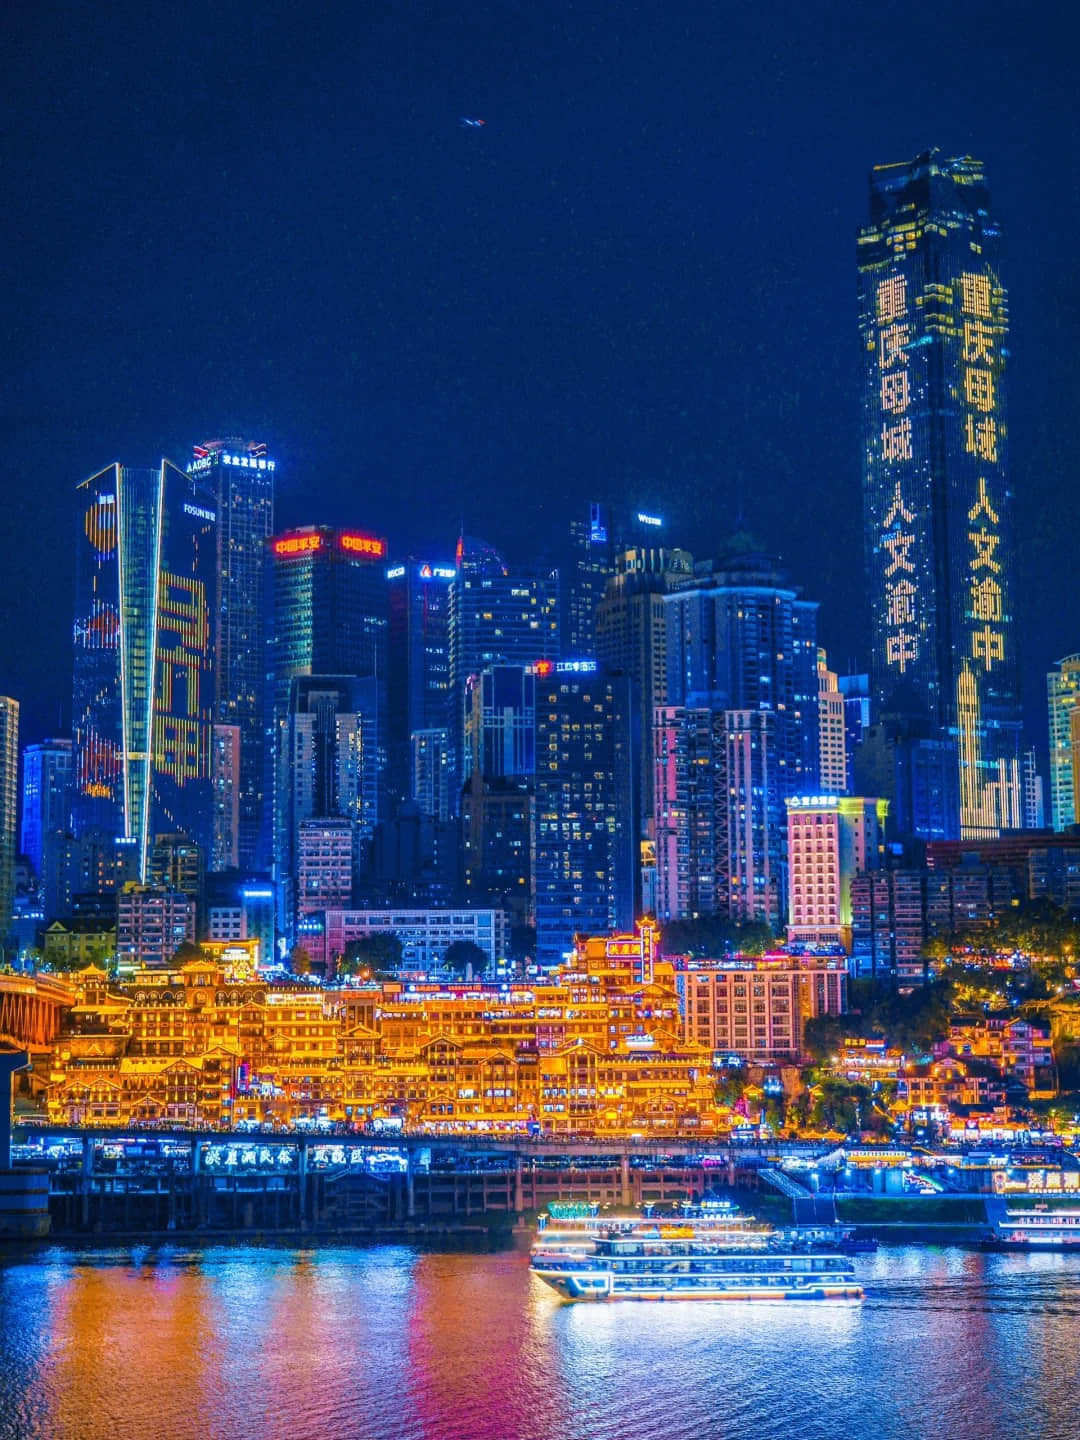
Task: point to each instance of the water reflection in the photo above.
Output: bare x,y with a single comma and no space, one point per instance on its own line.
395,1345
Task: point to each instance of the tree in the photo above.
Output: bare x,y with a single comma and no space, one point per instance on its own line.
522,942
186,952
715,935
464,955
300,961
378,956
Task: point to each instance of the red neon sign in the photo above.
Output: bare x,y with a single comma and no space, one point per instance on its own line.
357,544
290,545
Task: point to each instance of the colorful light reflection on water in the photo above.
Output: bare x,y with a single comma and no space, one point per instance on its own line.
388,1343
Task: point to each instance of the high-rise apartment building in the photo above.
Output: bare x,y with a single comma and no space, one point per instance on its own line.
498,616
418,666
933,324
324,865
46,797
500,721
225,761
330,763
831,838
584,836
1063,703
151,925
9,807
690,811
240,475
756,851
758,1009
328,618
591,565
832,731
632,639
145,602
741,637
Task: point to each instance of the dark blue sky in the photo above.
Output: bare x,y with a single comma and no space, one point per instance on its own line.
637,280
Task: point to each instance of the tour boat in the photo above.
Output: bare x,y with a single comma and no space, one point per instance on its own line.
708,1252
1041,1228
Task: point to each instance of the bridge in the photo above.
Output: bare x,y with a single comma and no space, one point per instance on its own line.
31,1010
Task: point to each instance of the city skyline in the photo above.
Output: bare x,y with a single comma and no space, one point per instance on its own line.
552,306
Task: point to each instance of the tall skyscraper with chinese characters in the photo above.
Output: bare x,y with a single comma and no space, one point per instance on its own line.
1063,712
145,602
46,796
240,474
933,325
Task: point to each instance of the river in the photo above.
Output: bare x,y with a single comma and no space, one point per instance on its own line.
392,1344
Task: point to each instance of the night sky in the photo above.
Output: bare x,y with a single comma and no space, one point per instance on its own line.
636,281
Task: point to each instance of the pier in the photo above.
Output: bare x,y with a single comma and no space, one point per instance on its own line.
213,1184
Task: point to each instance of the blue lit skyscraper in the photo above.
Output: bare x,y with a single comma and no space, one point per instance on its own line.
498,616
933,324
584,831
418,673
240,475
143,685
46,796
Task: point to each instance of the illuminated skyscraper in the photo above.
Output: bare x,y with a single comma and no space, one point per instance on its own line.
740,637
591,565
46,797
9,798
240,474
584,837
143,693
632,638
1063,703
328,617
933,322
498,616
418,672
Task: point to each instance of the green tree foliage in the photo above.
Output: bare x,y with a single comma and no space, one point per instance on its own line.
711,936
300,961
186,952
912,1021
378,955
462,955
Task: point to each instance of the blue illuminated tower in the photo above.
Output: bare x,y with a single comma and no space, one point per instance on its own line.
933,325
240,475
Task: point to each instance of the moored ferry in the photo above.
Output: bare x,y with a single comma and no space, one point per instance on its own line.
1041,1228
708,1252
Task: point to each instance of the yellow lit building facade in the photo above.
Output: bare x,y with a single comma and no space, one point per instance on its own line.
597,1048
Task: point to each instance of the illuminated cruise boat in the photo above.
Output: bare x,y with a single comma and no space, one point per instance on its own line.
1038,1229
711,1252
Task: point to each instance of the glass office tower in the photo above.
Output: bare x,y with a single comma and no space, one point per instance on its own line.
145,598
933,326
240,475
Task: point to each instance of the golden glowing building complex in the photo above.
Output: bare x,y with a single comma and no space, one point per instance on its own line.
599,1046
933,320
831,838
758,1009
